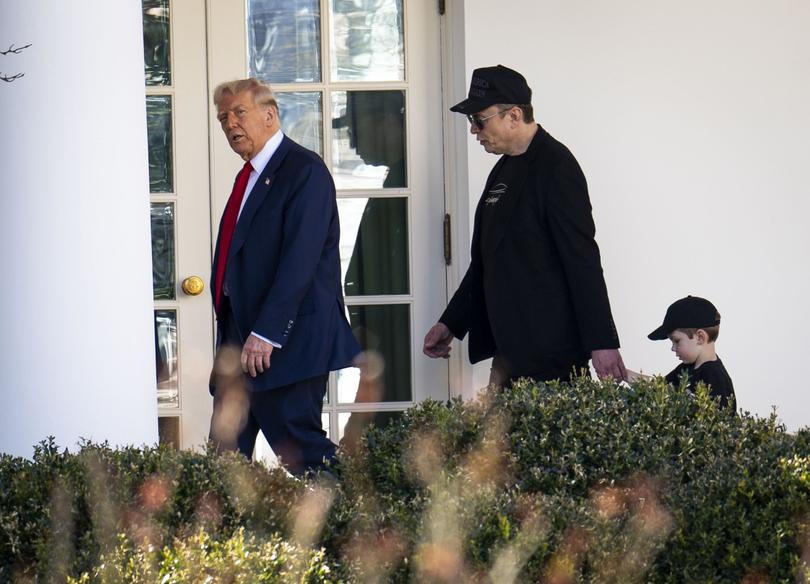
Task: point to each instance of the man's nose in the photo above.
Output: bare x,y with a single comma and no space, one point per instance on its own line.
474,129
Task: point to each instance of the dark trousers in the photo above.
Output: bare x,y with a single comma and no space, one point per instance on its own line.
551,369
288,416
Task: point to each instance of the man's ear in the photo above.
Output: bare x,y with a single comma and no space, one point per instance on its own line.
270,114
702,336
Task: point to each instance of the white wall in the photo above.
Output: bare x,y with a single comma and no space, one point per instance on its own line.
691,122
77,349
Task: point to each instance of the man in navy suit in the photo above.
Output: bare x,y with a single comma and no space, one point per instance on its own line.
276,287
534,297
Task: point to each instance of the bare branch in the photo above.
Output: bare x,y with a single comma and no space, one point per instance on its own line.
16,51
10,78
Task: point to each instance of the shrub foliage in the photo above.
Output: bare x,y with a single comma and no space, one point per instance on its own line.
588,482
580,482
61,513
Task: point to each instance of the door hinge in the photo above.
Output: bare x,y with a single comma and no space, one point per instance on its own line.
441,7
448,254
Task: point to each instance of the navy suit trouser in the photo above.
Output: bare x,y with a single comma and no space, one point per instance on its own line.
288,416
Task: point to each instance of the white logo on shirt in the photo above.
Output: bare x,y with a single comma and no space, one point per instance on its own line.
495,193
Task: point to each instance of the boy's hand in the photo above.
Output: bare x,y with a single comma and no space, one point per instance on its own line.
636,376
608,363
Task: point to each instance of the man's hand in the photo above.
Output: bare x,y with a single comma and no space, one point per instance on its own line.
608,363
256,355
437,341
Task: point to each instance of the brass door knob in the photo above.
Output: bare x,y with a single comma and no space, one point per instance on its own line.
193,285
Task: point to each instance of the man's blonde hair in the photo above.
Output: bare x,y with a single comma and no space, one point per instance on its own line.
262,94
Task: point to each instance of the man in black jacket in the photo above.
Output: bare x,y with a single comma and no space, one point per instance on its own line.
534,296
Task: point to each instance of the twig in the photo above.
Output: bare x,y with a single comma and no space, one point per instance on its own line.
16,51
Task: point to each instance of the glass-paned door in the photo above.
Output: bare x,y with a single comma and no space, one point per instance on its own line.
176,114
358,82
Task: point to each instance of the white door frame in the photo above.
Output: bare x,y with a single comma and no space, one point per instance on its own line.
192,218
460,196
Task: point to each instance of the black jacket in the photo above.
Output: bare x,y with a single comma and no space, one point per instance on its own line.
537,291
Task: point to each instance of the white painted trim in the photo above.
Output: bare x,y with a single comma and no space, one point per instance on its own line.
457,195
192,198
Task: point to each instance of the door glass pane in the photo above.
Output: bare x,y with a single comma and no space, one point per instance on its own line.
159,137
374,245
352,424
348,384
367,40
368,142
284,40
169,431
166,357
156,56
301,118
162,215
384,332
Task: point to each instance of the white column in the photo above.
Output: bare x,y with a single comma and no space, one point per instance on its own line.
76,345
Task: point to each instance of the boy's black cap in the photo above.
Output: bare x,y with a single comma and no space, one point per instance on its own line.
491,85
689,312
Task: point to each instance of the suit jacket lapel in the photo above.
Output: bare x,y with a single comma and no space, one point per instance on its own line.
257,196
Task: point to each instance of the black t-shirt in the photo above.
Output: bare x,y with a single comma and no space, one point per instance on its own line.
491,211
503,186
713,374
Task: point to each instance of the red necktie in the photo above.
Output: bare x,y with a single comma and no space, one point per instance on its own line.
228,227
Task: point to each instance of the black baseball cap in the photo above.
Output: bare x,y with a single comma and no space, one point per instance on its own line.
689,312
491,85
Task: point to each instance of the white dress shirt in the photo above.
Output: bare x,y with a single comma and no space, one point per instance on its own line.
258,163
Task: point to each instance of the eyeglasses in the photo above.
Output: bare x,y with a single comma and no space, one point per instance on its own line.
478,121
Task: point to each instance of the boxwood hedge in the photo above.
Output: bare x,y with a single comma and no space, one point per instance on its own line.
559,482
583,482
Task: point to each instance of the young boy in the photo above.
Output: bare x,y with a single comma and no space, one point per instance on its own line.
692,324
